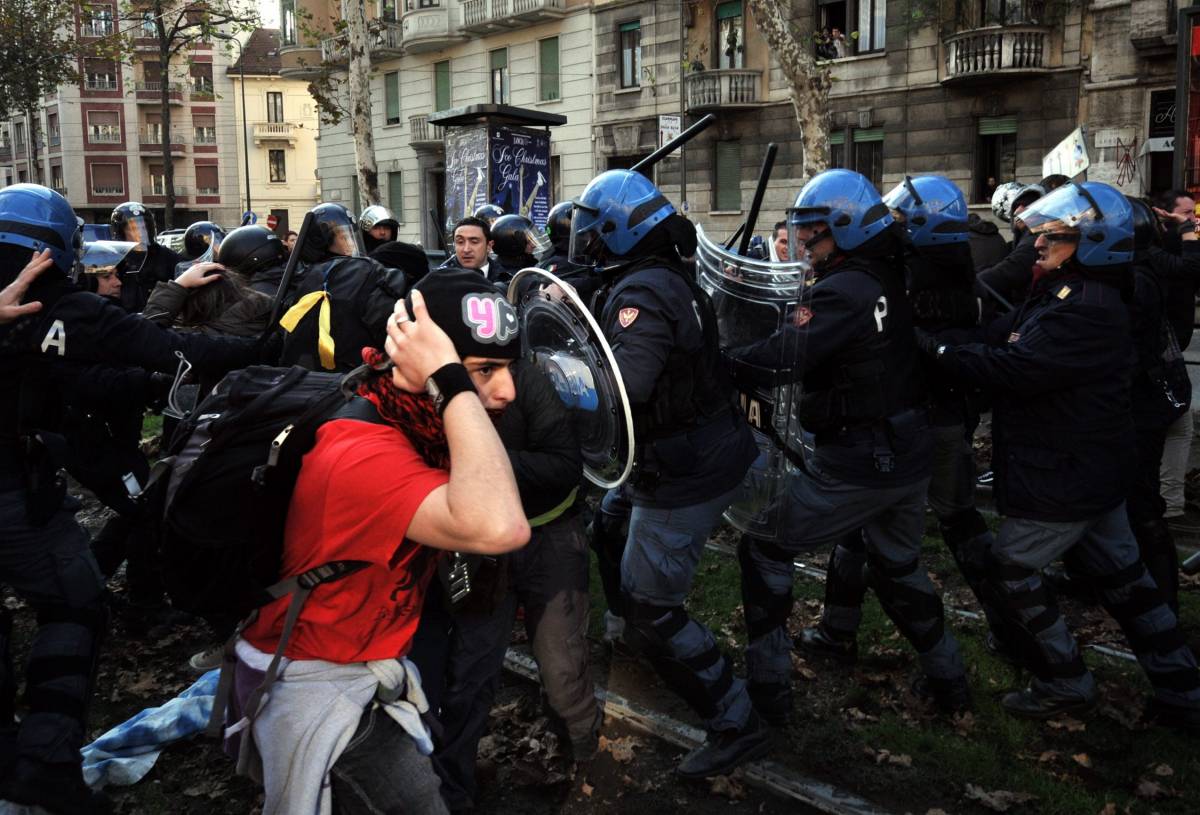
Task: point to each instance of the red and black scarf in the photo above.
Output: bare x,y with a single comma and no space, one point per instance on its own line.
411,413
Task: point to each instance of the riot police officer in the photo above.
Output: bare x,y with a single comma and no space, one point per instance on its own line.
149,264
851,344
342,300
44,553
1059,370
379,226
1006,281
693,448
257,254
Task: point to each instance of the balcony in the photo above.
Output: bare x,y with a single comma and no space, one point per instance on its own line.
103,134
96,28
107,189
727,89
201,92
156,186
208,190
5,153
300,62
150,93
55,139
274,131
334,50
150,141
100,83
423,136
429,29
387,39
205,136
484,16
986,54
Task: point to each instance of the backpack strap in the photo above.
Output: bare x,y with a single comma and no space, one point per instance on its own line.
299,587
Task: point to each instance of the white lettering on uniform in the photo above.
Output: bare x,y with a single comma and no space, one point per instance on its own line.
56,337
881,311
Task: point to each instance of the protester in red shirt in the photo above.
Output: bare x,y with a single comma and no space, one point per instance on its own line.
431,474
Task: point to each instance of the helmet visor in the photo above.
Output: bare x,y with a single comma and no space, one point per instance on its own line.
903,197
345,239
1067,208
100,257
137,230
537,243
586,245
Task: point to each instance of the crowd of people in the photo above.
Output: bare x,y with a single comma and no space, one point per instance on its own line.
451,478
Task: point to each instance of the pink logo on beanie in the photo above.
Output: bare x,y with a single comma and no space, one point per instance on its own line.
490,317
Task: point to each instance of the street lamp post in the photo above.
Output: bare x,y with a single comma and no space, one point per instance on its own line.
245,122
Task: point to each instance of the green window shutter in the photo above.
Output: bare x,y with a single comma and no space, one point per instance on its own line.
837,137
728,177
548,66
396,194
441,85
730,9
871,134
635,25
997,125
391,92
498,58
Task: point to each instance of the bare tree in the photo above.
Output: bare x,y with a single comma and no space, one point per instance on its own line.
810,82
174,26
38,55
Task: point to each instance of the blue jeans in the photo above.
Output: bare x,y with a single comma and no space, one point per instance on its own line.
381,772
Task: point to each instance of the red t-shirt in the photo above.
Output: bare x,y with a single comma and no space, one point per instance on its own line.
358,490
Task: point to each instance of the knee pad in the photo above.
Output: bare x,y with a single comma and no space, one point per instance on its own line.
650,631
765,608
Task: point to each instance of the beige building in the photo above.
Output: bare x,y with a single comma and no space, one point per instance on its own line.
433,55
100,140
280,137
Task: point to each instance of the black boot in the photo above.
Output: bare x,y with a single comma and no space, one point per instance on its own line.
772,701
56,788
819,642
1025,704
726,750
1157,549
949,695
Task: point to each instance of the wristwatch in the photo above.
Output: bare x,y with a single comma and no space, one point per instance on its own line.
447,382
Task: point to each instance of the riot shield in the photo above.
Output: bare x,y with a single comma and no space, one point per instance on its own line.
560,336
104,256
762,311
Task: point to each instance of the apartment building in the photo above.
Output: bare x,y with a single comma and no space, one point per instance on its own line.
101,139
434,55
279,134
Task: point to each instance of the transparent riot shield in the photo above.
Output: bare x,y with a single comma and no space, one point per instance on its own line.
103,256
560,336
762,315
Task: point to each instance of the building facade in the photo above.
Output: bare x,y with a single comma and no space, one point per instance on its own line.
435,55
277,154
100,141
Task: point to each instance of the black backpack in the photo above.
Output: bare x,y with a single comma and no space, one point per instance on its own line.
235,463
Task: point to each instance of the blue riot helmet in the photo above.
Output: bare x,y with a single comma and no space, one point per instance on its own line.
933,209
38,218
1093,215
847,202
616,210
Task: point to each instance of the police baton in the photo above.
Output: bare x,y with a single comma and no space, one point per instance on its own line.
764,175
1191,565
289,271
999,297
674,144
736,234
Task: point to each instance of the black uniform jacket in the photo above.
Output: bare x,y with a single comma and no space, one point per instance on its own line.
1059,371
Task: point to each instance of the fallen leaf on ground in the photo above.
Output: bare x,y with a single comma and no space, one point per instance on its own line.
1068,724
936,812
998,800
1047,756
1109,809
587,789
621,749
1083,760
727,787
1152,789
1162,770
964,723
800,668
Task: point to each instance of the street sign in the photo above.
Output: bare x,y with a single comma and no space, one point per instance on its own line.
272,221
669,127
248,218
1069,157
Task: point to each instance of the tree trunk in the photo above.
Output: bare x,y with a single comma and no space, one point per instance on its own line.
358,67
164,84
810,82
35,165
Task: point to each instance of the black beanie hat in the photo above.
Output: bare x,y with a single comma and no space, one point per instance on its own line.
477,318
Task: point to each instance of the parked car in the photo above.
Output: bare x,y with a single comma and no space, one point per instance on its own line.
172,239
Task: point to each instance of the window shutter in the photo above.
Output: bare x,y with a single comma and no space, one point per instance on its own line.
728,176
868,134
498,58
396,194
997,125
635,25
391,92
731,9
548,66
837,137
441,85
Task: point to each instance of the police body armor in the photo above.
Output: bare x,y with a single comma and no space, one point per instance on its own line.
753,299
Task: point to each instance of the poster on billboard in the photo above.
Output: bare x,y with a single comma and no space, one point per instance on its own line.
466,171
1070,157
520,172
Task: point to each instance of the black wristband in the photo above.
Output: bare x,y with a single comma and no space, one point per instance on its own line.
1186,227
447,382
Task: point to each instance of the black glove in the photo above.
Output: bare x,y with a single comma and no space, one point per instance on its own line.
928,343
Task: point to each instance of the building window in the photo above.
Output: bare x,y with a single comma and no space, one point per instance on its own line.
205,127
107,179
56,178
995,155
548,76
630,43
207,182
837,149
868,154
498,61
391,96
441,85
19,137
287,22
98,22
387,10
104,126
395,187
148,29
849,27
275,107
731,35
99,75
202,78
410,5
52,130
727,177
158,180
277,163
